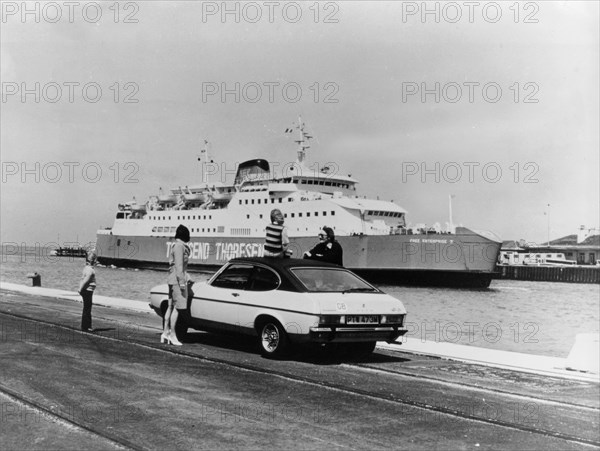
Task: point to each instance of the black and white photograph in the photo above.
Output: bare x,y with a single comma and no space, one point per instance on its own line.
304,225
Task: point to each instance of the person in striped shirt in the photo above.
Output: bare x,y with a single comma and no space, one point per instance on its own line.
276,241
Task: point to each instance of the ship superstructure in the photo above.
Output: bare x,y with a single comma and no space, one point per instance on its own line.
227,221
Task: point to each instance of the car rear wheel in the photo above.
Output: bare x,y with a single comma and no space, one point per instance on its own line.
274,342
181,327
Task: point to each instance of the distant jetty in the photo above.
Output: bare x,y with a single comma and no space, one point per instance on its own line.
69,252
573,274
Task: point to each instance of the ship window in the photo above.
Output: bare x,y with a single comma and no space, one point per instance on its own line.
280,199
221,229
327,183
209,217
173,229
316,213
247,216
295,180
203,229
246,201
266,201
332,213
120,215
299,215
260,216
321,182
214,230
153,229
119,242
324,213
308,215
258,201
285,215
160,229
293,215
252,201
303,182
290,199
273,200
169,218
310,182
240,201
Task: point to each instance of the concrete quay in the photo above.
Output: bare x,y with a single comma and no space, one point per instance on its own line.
542,365
119,388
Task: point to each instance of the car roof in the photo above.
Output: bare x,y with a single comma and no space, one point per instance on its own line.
285,263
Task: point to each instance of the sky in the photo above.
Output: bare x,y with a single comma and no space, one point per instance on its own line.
495,104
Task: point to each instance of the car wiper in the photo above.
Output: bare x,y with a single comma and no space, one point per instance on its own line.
358,290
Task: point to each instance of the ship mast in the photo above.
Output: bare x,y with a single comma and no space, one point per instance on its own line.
302,140
204,156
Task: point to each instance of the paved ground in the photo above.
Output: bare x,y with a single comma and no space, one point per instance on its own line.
119,388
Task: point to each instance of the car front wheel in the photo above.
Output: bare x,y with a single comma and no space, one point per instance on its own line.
274,342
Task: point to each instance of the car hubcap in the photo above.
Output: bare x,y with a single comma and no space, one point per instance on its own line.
270,337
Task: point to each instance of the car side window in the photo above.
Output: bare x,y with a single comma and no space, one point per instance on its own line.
263,279
235,277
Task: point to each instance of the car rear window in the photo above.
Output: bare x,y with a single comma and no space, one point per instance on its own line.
331,280
234,277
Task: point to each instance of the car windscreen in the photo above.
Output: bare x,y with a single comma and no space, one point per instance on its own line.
331,280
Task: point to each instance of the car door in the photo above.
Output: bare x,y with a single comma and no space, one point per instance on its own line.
217,304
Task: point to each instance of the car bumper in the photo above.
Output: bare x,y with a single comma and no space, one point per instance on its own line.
355,334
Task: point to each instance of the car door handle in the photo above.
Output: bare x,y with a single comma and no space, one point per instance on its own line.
235,294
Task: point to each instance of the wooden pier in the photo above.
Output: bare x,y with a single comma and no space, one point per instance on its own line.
574,274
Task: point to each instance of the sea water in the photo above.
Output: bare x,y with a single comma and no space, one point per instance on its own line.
539,318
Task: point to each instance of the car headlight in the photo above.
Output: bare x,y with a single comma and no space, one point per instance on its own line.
392,319
331,319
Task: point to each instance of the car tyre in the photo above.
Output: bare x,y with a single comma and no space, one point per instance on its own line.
182,325
274,342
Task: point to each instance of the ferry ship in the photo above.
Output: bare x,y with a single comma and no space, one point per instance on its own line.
229,220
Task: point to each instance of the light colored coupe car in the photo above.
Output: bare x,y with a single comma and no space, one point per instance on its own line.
290,301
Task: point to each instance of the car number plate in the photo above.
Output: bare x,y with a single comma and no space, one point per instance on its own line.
362,319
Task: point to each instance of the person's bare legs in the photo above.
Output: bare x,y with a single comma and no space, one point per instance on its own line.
171,316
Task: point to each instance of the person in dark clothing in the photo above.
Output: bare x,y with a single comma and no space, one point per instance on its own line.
328,249
87,285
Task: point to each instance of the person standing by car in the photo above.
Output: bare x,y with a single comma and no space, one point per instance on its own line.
328,249
276,241
87,285
178,284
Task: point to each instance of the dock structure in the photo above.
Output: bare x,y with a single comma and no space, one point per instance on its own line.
70,252
574,274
